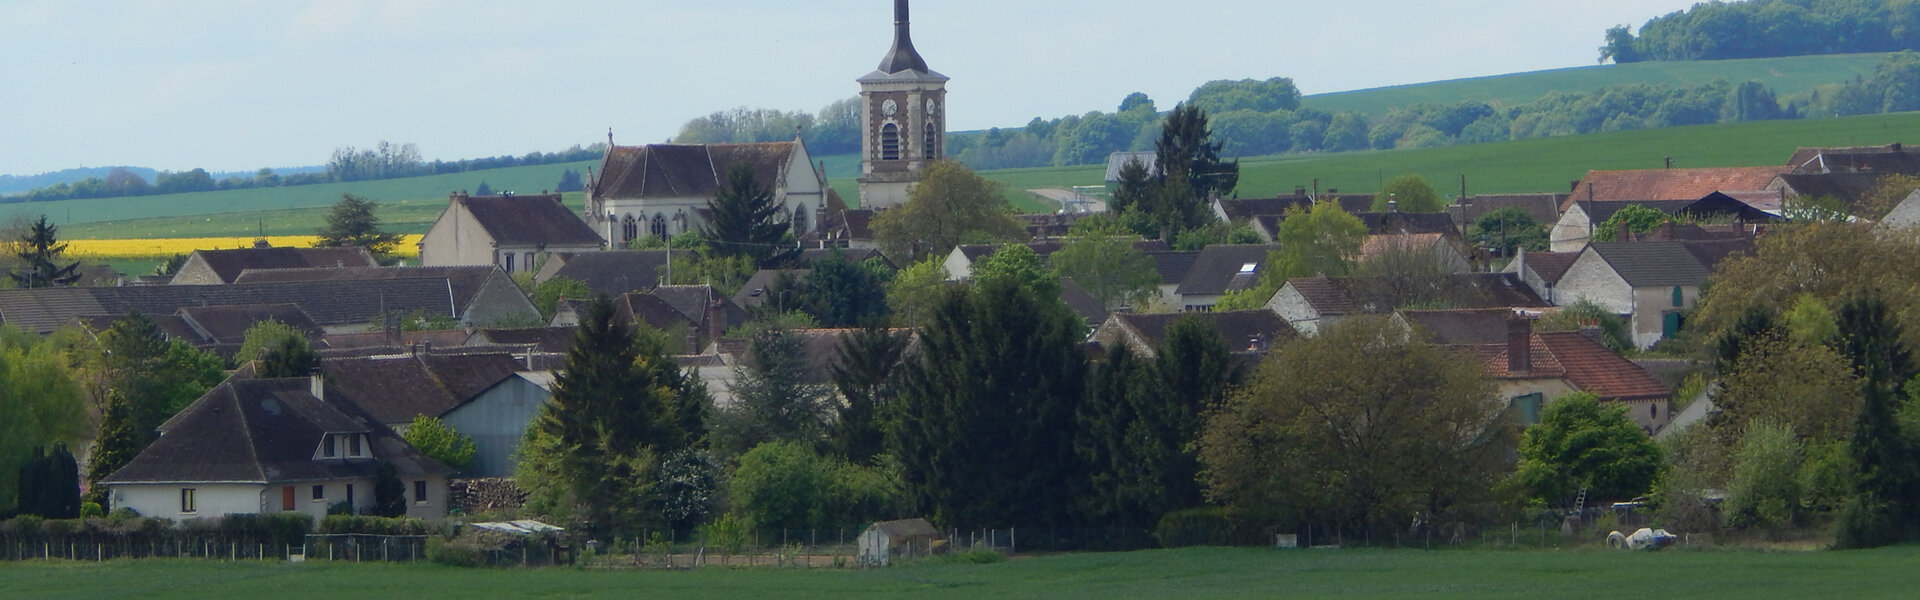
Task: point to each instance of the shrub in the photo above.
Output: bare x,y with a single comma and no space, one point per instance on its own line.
970,557
371,525
1208,526
91,509
457,552
287,528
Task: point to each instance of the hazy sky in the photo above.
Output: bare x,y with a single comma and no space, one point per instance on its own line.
233,85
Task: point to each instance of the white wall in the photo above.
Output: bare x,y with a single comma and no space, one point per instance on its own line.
210,500
1290,305
1571,232
1591,278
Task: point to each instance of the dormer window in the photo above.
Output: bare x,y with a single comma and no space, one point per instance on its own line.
354,448
326,447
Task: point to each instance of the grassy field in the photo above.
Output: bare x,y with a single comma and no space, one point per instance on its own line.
1189,573
1787,76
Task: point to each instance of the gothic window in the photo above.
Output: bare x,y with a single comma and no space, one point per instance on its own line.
680,222
800,220
890,142
659,228
629,230
932,144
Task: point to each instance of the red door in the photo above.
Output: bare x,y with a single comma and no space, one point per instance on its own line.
286,498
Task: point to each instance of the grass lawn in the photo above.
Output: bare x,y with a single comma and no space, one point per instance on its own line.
1187,573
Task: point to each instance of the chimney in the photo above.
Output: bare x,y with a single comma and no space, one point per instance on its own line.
1519,345
1665,232
1592,331
716,319
317,384
1624,234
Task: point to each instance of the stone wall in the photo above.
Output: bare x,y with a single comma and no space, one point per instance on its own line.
472,496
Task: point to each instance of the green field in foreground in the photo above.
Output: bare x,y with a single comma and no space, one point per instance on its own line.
1187,573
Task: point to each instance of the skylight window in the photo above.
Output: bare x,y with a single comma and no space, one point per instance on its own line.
1247,269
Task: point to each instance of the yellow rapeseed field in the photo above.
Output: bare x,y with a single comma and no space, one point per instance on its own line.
164,247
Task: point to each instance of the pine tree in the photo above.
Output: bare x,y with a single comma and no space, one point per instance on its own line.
116,445
747,221
351,222
1189,162
389,494
987,408
40,251
864,370
1884,509
774,399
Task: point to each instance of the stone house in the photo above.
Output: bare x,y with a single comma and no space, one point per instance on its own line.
511,232
1651,283
214,267
1531,368
476,296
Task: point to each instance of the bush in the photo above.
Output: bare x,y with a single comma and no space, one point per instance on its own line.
458,552
91,509
1208,526
370,525
341,508
288,528
970,557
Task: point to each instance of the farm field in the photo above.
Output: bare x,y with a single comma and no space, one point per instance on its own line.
1788,76
1185,573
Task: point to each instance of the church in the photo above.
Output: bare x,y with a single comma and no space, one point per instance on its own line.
661,190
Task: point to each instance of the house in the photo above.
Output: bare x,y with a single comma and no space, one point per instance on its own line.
612,272
476,296
1221,269
662,190
1252,332
1532,368
1575,228
220,330
841,227
1541,271
1444,252
1311,303
1652,283
511,232
1601,193
883,541
272,445
1172,266
487,395
718,365
336,306
1542,208
1118,161
1888,159
693,316
775,286
213,267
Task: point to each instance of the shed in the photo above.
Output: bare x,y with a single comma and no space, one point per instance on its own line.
908,537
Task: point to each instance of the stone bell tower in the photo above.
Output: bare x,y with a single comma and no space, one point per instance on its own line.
903,110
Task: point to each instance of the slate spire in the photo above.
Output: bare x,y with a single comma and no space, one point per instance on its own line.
902,57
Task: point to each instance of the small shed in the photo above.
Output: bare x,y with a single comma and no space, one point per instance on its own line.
908,537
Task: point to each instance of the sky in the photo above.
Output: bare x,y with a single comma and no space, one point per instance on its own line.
234,85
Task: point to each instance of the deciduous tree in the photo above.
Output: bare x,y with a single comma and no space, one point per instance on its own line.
1581,445
951,205
1410,193
1109,267
864,373
441,442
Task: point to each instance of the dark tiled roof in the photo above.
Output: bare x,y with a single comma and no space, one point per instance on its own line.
229,324
845,224
1352,295
1668,184
444,338
1543,208
523,220
1118,160
853,255
686,170
396,388
1249,208
1045,248
758,289
1599,212
1081,302
618,272
463,282
1327,295
1240,329
1550,266
228,264
1473,326
329,303
1891,158
1173,265
1393,223
265,431
544,339
1848,188
1218,269
1644,264
1710,252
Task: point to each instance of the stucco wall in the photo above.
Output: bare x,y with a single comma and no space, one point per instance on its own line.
210,500
957,266
1652,304
456,239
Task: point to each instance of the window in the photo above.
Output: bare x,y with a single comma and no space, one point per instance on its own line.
508,262
420,491
1528,407
353,441
629,230
187,504
1653,410
349,494
932,143
320,492
890,142
800,220
1679,297
659,226
326,447
526,260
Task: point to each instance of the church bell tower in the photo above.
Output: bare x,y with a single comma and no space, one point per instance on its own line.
903,110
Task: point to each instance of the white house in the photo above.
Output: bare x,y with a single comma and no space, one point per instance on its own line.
272,445
512,232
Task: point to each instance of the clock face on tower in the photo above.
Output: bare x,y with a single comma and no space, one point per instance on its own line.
889,107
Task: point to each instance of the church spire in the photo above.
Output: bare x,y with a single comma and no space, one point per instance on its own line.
902,57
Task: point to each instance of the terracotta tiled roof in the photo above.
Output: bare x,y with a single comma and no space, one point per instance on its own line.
1327,296
1668,184
525,220
686,170
1591,367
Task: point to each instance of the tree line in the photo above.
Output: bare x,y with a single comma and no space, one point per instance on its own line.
1768,28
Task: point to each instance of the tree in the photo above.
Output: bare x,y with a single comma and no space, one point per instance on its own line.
570,181
592,450
292,357
1619,47
1580,445
1189,169
951,205
775,397
1884,508
1134,187
1109,267
1764,489
50,484
143,381
1639,220
987,407
863,373
40,405
1137,101
1363,426
483,189
1410,193
1508,230
841,294
747,221
1019,264
1317,241
263,337
1887,194
441,442
781,485
915,291
39,254
389,494
351,222
1829,261
548,294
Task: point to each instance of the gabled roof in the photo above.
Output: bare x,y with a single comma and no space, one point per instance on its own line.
340,343
1543,208
1081,302
1221,268
1354,295
687,170
1377,244
757,290
1599,212
1550,266
266,431
1242,330
1239,209
528,220
1118,161
1646,264
396,388
1888,159
329,303
229,324
844,224
1327,295
1471,326
1668,184
556,340
228,264
1848,188
906,529
463,282
619,271
1593,368
1173,265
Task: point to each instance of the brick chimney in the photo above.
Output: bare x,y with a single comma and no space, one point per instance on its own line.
1519,345
1624,233
716,319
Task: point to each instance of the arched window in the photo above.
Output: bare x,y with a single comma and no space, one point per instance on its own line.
800,220
629,230
659,228
890,142
1679,296
932,144
680,222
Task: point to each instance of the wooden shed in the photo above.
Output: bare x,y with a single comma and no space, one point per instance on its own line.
908,537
